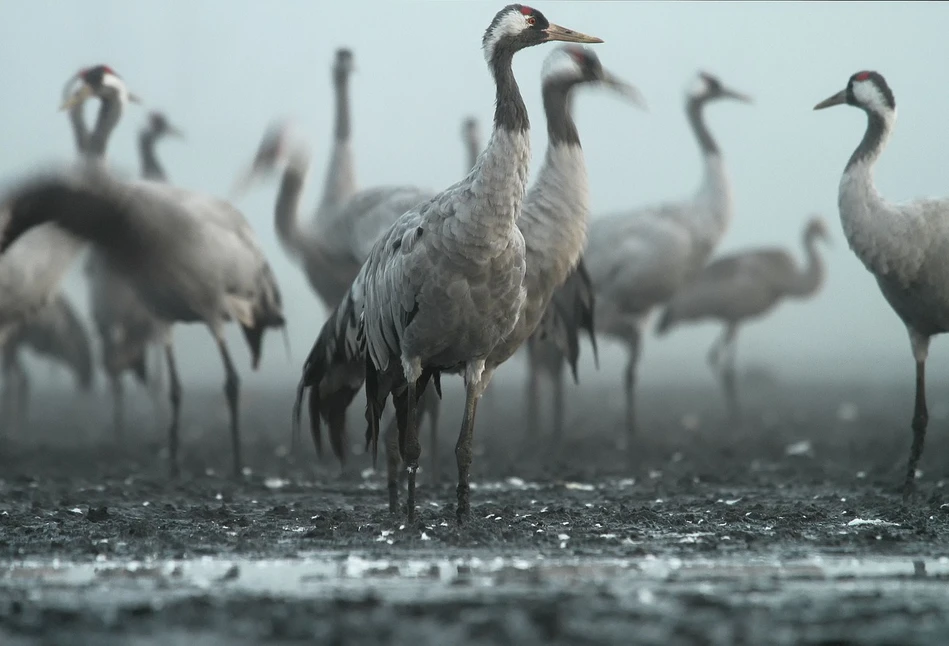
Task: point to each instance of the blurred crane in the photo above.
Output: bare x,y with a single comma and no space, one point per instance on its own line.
905,246
55,332
191,257
471,137
638,260
742,286
445,284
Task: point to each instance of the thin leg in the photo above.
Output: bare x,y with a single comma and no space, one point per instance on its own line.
630,383
533,399
23,395
559,408
728,374
232,389
393,461
174,391
118,407
475,382
715,352
433,405
920,420
413,448
6,403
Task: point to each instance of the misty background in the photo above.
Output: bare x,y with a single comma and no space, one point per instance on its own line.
222,70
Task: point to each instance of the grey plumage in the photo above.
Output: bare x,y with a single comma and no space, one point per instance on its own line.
742,286
905,246
191,257
638,260
55,332
445,284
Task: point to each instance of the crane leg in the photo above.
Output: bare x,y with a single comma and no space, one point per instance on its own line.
728,374
174,392
118,407
533,403
393,460
920,421
413,448
475,383
6,399
433,407
559,409
232,390
630,386
23,395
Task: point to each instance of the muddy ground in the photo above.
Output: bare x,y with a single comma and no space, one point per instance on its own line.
786,529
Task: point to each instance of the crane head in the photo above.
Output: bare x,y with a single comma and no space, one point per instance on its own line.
518,26
344,65
98,81
278,144
573,64
866,90
707,87
159,125
817,229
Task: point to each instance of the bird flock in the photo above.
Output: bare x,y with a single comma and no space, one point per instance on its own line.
422,284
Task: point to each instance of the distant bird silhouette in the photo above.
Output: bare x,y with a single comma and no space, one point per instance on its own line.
742,286
905,246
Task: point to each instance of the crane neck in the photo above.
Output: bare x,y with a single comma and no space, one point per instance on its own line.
561,129
110,111
151,167
340,182
808,281
286,211
875,138
474,149
80,132
695,111
343,127
510,113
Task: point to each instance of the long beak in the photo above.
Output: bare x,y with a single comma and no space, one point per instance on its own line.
134,98
171,131
84,92
738,96
626,89
837,99
556,32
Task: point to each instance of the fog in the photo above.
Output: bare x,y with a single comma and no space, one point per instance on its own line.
223,70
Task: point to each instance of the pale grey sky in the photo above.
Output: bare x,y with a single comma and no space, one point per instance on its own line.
223,69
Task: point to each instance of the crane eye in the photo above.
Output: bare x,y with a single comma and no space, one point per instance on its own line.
531,20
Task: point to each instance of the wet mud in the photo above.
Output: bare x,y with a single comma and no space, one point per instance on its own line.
786,528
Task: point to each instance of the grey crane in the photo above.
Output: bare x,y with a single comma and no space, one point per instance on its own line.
125,326
445,284
471,137
742,286
638,260
191,258
282,144
55,332
904,246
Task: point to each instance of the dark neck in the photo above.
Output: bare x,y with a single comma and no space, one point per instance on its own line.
872,143
560,126
151,168
342,108
474,149
109,113
510,113
695,111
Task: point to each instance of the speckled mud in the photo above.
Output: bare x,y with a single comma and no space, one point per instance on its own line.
786,529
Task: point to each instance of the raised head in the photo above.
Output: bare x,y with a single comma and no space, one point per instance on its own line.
865,90
518,26
159,126
278,145
816,229
574,64
343,65
98,81
707,87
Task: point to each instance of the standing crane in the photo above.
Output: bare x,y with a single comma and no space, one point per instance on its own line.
190,257
638,260
444,286
743,286
125,326
471,137
904,245
56,332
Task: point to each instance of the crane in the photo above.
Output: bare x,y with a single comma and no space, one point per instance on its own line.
190,257
56,332
742,286
471,138
445,284
638,260
903,245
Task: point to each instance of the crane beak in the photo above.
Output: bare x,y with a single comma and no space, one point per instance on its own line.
556,32
837,99
172,131
626,89
738,96
134,98
79,96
